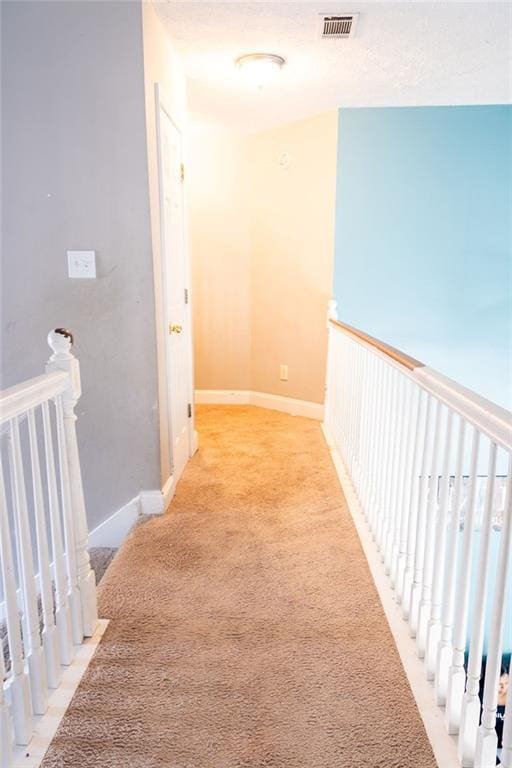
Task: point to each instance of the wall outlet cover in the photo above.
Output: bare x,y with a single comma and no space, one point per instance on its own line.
82,264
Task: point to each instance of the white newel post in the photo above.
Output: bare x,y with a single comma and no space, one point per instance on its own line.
62,359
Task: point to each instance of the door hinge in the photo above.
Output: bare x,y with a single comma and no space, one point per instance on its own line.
190,410
182,172
186,295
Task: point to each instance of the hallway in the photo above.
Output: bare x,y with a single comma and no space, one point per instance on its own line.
245,627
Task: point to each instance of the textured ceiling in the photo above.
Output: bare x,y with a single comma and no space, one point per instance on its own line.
409,53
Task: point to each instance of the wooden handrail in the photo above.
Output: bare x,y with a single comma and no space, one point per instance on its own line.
400,357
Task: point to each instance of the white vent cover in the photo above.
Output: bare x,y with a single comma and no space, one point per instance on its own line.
342,25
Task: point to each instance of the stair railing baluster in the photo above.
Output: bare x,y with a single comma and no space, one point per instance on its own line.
34,653
50,638
18,686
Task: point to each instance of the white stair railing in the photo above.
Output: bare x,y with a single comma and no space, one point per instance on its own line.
431,465
47,587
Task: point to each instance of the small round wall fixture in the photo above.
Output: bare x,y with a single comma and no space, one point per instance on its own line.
260,68
284,160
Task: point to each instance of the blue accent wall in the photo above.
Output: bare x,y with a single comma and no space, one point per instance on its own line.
424,236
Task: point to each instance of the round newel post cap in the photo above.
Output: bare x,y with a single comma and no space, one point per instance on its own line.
60,342
332,309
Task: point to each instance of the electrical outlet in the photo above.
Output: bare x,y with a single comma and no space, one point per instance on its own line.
283,372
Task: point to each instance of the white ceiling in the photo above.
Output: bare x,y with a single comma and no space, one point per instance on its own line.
409,53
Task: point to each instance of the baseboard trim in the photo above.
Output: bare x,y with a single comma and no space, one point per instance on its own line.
222,396
195,442
262,400
151,502
168,491
443,745
112,531
288,405
45,727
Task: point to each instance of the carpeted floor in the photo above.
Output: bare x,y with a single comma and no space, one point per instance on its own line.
101,557
246,631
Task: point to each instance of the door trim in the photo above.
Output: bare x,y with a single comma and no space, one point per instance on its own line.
162,103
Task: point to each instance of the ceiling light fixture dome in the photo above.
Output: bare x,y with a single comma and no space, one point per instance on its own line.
260,68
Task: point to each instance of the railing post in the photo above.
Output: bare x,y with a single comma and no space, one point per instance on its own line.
434,624
49,634
332,314
33,649
18,684
487,740
506,752
470,715
62,359
457,672
445,646
6,735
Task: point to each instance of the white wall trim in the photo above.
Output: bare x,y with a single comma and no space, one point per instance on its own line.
262,400
443,745
168,492
112,531
288,405
151,502
222,396
32,755
195,442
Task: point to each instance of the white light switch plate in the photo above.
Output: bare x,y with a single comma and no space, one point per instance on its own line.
81,263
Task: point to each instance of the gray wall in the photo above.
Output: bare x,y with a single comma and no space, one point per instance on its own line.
75,177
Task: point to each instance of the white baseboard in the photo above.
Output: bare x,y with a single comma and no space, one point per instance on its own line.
288,405
45,727
195,442
222,396
151,502
443,745
262,400
112,531
168,491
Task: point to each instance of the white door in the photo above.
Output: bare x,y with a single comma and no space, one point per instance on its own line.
174,272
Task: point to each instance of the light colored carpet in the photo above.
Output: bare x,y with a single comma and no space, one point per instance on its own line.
246,631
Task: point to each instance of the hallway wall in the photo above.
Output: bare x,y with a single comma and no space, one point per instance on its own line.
262,245
292,235
218,187
75,176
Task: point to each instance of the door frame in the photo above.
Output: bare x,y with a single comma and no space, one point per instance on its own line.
162,103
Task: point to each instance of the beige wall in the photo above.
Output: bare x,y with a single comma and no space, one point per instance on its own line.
161,65
262,245
292,212
220,248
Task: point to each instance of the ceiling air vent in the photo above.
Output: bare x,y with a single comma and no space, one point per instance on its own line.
338,26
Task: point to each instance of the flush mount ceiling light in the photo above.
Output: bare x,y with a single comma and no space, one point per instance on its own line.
260,68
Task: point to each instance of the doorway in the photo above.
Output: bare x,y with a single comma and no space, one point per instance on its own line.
176,316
